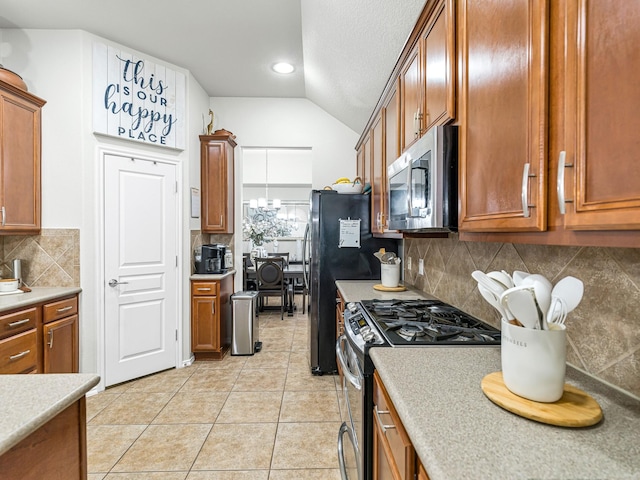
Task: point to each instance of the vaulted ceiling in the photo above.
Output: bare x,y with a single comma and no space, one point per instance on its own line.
343,50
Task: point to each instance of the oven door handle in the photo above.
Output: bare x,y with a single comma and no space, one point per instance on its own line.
348,374
343,468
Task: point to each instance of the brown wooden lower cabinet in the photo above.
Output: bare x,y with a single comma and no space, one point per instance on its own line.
211,318
56,451
394,457
42,338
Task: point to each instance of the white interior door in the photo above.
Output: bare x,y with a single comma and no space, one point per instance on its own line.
141,307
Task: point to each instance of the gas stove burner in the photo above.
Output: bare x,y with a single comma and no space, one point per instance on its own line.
411,331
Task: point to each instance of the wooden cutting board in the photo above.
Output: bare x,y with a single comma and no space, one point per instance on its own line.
382,288
575,408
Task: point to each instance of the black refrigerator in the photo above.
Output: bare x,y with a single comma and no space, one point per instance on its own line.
338,249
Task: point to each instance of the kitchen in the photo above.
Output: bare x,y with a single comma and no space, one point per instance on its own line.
608,271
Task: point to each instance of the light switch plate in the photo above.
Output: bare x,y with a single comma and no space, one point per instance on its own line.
421,266
408,263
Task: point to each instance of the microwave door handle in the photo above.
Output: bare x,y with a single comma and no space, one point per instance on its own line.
410,192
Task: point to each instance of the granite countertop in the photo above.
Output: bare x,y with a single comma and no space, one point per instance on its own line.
356,290
211,276
36,295
29,401
459,433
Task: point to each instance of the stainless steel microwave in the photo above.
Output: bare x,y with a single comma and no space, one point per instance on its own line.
423,183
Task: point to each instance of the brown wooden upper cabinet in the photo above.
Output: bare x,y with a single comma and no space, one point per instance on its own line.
503,114
20,150
411,96
385,136
439,61
600,181
427,77
559,99
216,179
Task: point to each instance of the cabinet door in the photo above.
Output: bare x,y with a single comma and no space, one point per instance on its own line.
378,177
602,178
20,164
410,98
61,345
394,452
205,334
216,179
439,66
503,115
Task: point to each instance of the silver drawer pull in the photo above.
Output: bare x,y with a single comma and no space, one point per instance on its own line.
382,425
64,309
204,289
18,323
19,355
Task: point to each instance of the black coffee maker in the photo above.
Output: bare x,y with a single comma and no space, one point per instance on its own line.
210,258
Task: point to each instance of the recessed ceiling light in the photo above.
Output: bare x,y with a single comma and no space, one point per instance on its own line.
283,67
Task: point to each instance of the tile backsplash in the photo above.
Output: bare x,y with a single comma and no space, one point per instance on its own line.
50,259
603,331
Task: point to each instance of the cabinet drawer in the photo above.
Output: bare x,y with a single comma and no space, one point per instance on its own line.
393,434
17,322
205,288
56,310
18,354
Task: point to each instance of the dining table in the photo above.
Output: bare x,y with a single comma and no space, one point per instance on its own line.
291,272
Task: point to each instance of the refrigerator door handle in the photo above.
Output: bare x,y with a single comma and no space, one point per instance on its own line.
305,272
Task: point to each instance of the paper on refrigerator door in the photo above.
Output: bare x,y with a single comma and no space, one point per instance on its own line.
349,233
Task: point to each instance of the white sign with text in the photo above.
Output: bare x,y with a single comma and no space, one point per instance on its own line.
136,99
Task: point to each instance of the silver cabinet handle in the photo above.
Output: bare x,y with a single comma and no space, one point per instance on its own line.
562,164
4,216
113,282
17,323
525,184
382,425
64,309
19,355
50,342
204,289
213,308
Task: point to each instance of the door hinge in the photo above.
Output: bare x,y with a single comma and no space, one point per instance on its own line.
176,186
176,335
176,260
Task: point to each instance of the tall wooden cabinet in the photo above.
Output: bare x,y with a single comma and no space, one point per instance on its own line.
217,181
20,150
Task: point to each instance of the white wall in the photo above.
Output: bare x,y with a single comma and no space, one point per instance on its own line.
286,122
57,66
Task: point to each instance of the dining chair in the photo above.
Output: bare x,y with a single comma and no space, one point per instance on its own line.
270,277
247,283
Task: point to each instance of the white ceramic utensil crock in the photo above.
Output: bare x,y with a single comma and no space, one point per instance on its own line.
534,361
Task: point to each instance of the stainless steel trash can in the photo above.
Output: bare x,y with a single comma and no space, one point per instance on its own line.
244,338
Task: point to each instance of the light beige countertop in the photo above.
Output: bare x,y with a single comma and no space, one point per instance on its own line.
211,276
37,295
356,290
29,401
459,433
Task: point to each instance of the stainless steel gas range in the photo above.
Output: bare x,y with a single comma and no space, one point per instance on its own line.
390,323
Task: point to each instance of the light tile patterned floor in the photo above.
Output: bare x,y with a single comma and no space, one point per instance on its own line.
261,417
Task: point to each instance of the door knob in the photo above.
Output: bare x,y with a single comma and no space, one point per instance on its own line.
113,282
